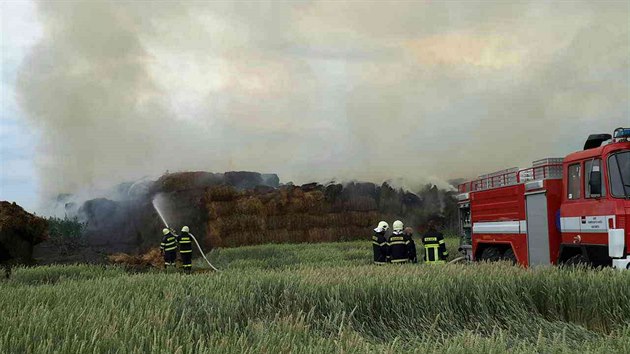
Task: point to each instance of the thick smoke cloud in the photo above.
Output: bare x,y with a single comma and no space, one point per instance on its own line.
320,90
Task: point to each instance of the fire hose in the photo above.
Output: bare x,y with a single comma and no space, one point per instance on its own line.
202,253
458,260
191,235
198,247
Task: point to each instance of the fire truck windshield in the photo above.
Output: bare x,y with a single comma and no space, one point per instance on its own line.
619,171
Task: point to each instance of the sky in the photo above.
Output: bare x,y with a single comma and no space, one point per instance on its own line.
18,178
97,93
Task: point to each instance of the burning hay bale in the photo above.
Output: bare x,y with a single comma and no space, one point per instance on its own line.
19,232
241,180
173,182
287,214
151,259
245,208
248,180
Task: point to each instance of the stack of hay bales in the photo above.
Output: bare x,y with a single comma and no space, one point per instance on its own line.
286,214
244,208
19,232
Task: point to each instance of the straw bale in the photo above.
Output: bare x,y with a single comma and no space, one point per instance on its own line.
249,180
297,193
153,258
311,213
315,220
272,207
315,202
267,196
172,182
332,192
217,210
278,236
361,219
19,232
361,203
241,222
297,205
249,206
318,234
276,222
222,193
213,235
311,187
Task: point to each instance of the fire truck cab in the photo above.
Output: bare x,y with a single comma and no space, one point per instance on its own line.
559,211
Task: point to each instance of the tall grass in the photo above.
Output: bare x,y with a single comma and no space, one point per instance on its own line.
316,298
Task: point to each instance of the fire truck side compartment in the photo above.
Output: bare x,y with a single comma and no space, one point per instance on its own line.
519,217
497,216
537,228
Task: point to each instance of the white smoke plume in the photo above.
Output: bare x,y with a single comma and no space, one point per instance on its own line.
315,90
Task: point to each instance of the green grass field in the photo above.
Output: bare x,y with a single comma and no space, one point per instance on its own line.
316,298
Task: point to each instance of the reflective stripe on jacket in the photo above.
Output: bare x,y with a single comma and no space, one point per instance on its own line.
434,247
185,243
380,248
169,243
398,247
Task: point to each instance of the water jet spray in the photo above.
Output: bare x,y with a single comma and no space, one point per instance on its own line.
159,211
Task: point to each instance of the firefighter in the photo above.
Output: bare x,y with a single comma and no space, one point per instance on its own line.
399,244
185,249
168,247
379,243
434,246
411,247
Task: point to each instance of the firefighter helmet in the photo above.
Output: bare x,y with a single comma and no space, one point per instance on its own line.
165,231
185,229
382,226
398,225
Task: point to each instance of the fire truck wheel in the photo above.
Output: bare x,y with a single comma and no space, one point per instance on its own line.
576,260
509,255
491,254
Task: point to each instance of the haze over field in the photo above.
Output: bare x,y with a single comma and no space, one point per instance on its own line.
316,90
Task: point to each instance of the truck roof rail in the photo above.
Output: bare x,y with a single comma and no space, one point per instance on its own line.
549,168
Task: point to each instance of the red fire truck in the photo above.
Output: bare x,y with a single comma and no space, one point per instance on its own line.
559,211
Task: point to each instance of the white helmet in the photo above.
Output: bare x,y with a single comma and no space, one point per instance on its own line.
398,225
185,229
165,231
382,226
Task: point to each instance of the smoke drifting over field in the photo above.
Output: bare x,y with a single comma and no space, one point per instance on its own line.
319,90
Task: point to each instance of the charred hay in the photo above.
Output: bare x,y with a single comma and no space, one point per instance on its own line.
244,208
19,232
151,259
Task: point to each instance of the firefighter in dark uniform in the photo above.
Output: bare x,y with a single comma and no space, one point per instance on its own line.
379,243
399,244
411,247
434,246
185,249
168,247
